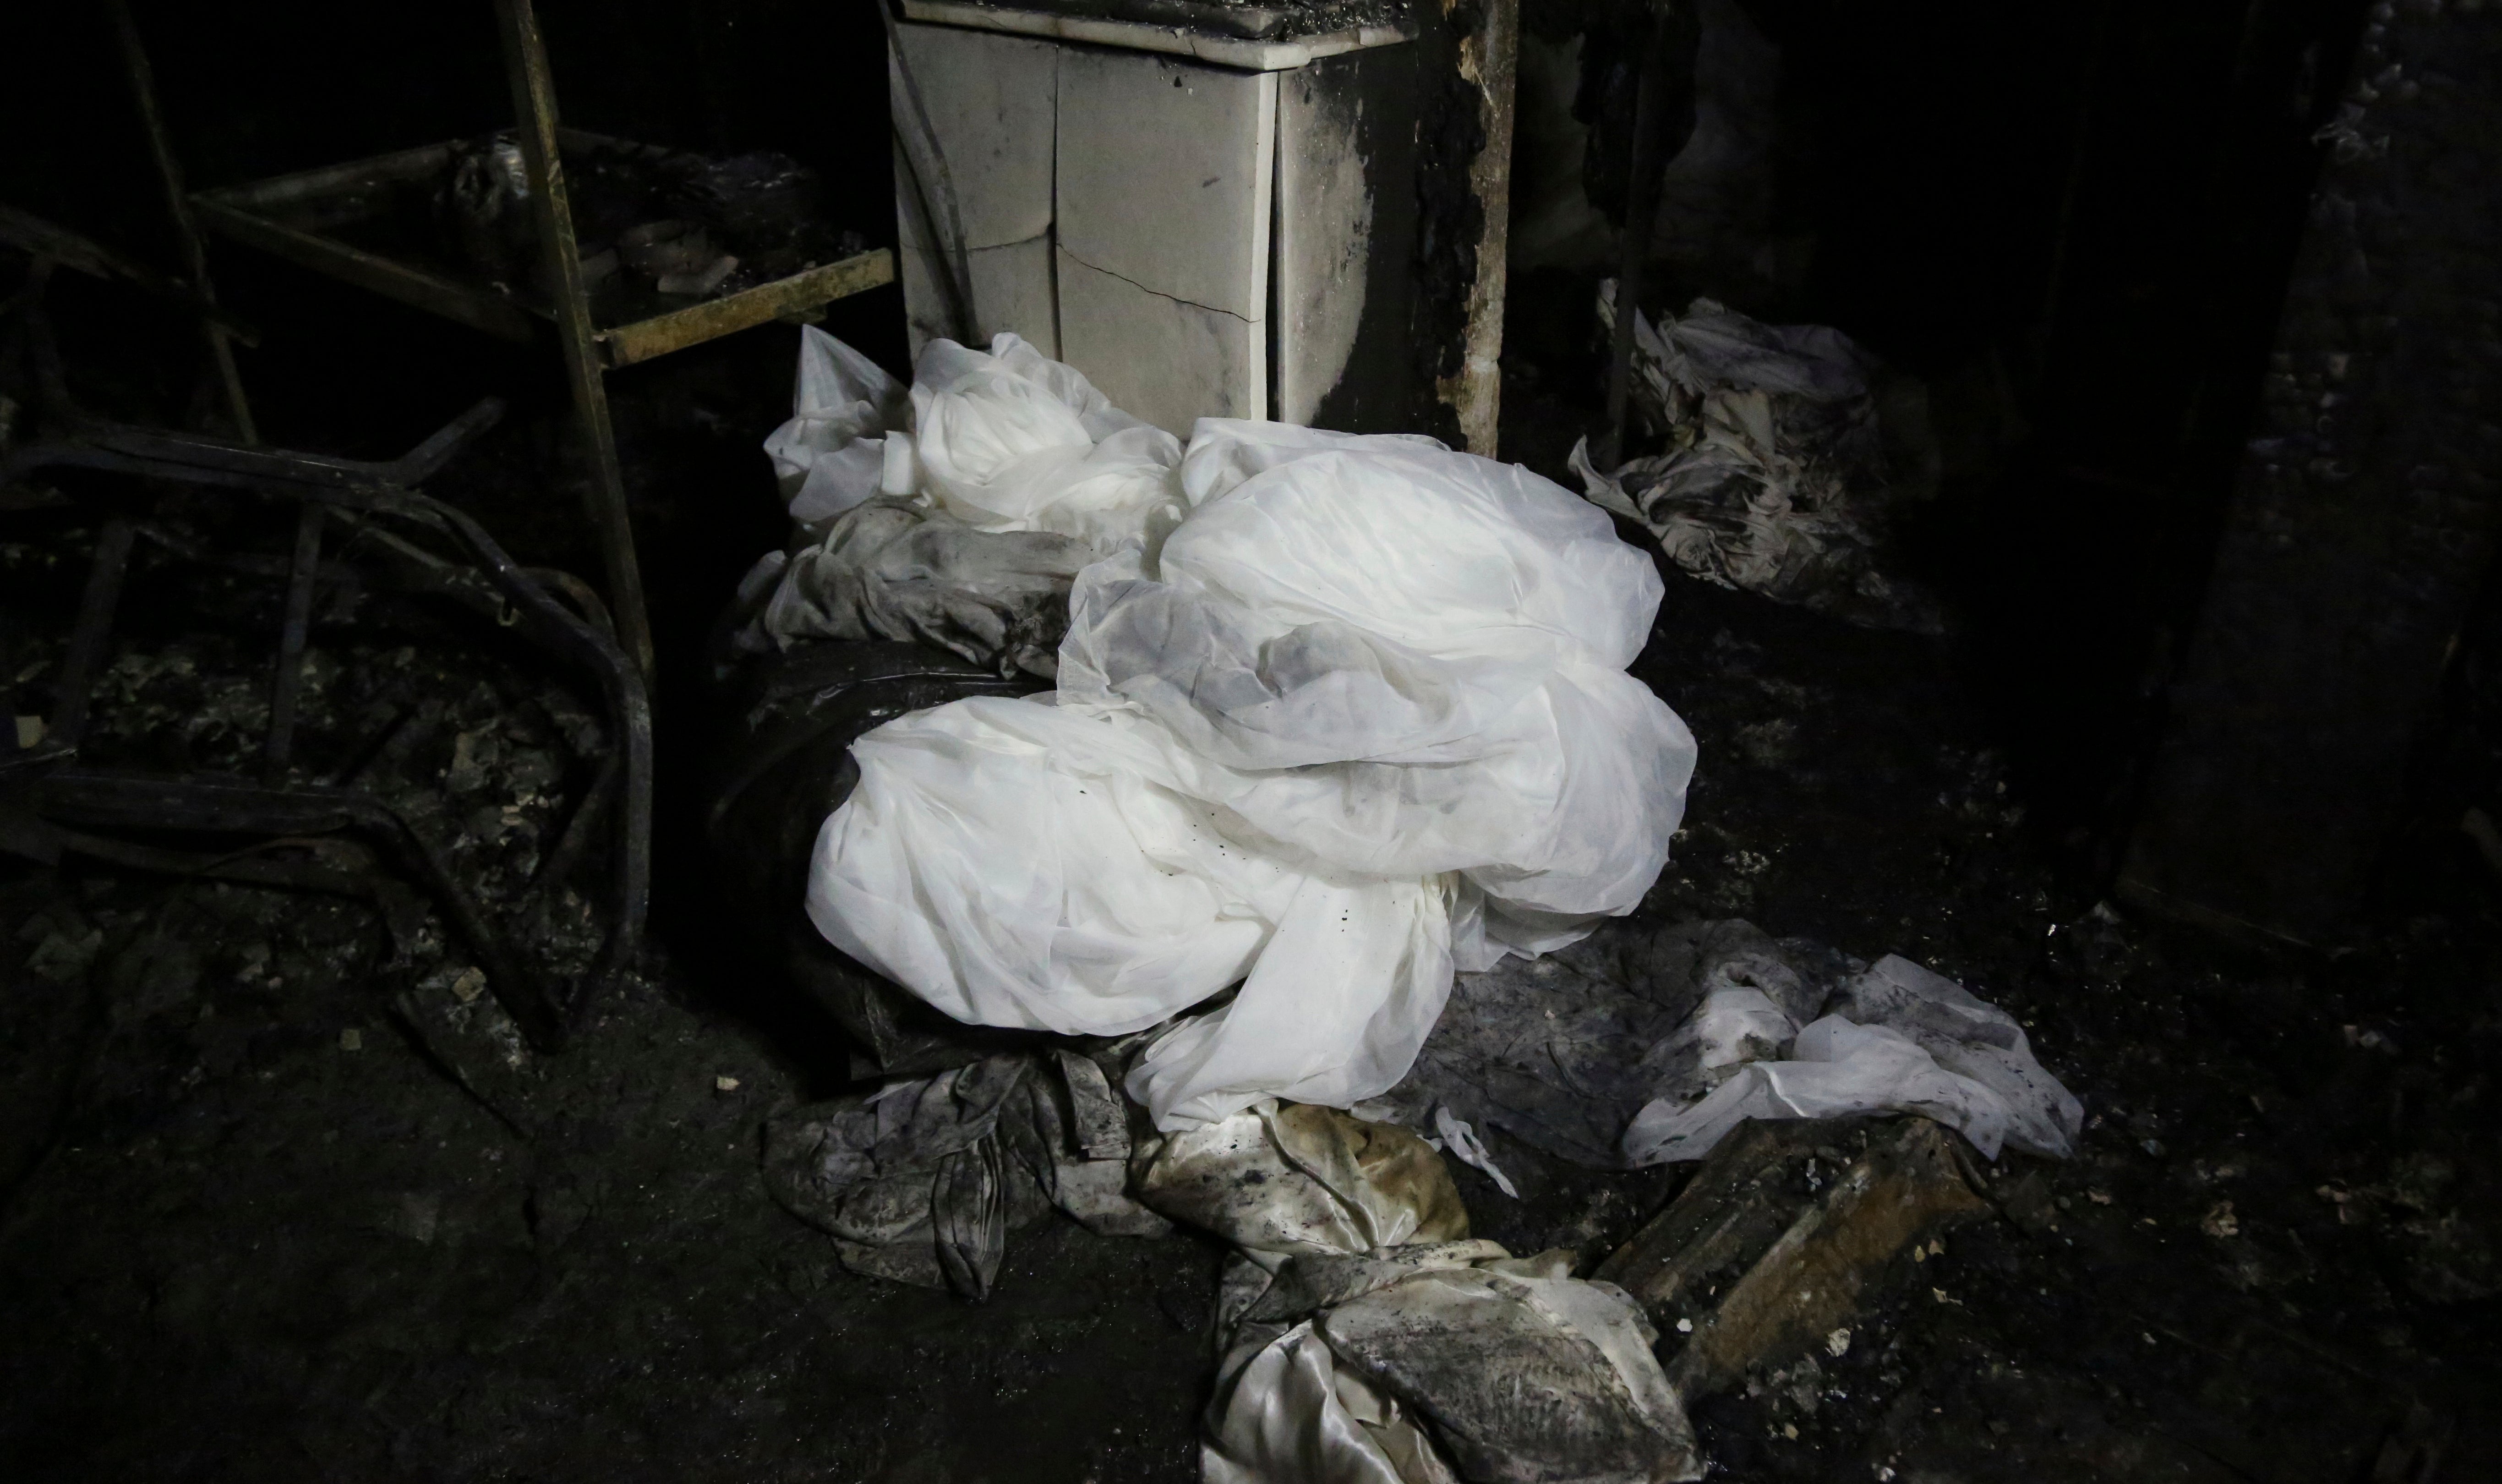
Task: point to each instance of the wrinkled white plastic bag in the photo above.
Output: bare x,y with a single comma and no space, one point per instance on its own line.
1970,1037
1835,1068
1360,716
1003,439
1008,440
1900,1039
829,453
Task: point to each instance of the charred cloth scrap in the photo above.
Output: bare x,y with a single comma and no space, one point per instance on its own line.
921,1181
1443,1361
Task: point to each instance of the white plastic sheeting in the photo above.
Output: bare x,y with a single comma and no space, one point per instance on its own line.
1003,439
955,512
830,455
1902,1040
1357,716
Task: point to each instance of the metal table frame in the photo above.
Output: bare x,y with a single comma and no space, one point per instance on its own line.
590,353
49,797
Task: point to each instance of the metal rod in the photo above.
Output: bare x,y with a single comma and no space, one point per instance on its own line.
234,865
178,205
225,807
287,680
94,630
419,287
36,237
933,184
526,64
629,701
557,867
625,345
581,594
1651,119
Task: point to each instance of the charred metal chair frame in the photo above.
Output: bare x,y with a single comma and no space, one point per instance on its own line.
46,795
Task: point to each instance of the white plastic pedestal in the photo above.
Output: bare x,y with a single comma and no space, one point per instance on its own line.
1204,226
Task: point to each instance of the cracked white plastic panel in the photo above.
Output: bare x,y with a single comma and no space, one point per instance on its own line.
1012,289
1158,358
990,103
1167,172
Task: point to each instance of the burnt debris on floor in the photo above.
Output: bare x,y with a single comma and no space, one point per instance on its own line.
353,1127
290,1207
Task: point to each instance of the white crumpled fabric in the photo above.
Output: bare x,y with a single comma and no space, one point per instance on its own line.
1835,1068
1900,1039
830,452
957,511
1003,440
1973,1039
1290,1415
1359,717
1006,439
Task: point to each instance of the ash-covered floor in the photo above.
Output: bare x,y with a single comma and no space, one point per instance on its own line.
254,1229
284,1194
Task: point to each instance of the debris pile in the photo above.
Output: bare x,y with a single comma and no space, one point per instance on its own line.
1775,477
1252,652
1647,1043
1363,1336
494,766
922,1180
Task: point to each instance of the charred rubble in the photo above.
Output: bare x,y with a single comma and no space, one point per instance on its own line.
416,1062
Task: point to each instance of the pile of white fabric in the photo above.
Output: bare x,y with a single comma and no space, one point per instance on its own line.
1336,715
956,513
1003,440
